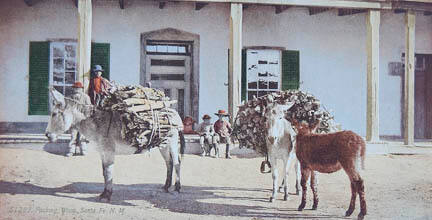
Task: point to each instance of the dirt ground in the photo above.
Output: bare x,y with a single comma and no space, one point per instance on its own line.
39,185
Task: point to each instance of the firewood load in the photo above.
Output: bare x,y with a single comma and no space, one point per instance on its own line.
145,114
249,126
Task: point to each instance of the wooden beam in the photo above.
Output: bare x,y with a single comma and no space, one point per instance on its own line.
200,5
314,11
309,3
235,59
281,8
344,12
409,77
399,11
418,6
84,41
373,62
162,5
121,4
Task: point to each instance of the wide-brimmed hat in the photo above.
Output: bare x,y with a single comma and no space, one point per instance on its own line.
78,85
98,68
206,117
222,112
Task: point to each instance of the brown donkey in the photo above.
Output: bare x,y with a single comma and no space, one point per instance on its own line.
328,153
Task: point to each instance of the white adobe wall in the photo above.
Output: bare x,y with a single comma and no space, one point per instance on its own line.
332,50
333,58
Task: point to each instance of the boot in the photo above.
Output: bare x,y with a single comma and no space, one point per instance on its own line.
227,153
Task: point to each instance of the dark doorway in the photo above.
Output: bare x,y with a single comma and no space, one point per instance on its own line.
423,97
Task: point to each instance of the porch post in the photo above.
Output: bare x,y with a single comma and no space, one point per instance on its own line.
235,56
409,77
373,35
84,41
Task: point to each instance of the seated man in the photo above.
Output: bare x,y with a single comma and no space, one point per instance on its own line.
223,133
206,133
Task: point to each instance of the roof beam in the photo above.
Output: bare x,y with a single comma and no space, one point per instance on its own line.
419,6
200,5
281,8
121,4
314,11
162,5
343,12
309,3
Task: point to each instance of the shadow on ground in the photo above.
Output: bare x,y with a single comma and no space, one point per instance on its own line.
189,201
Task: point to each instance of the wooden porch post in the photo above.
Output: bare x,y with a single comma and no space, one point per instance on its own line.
409,77
373,35
235,56
84,41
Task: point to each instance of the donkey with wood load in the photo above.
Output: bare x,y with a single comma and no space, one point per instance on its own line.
104,128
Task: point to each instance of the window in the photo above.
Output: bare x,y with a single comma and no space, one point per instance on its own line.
167,48
263,72
54,63
63,66
268,70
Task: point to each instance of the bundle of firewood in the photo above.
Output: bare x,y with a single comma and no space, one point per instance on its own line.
249,127
145,117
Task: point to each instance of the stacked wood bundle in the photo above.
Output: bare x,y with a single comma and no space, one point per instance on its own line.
146,118
249,126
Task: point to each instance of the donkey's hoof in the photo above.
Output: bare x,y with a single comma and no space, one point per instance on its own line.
105,195
177,187
360,216
314,206
297,192
285,197
166,189
271,199
301,207
349,212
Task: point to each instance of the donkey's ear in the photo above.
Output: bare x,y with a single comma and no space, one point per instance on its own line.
57,97
287,106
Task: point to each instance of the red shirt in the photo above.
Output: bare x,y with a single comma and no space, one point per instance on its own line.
223,128
97,87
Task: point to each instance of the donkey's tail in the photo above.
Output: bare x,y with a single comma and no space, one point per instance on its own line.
182,143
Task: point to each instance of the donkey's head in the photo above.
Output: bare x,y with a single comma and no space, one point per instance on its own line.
303,128
276,123
64,114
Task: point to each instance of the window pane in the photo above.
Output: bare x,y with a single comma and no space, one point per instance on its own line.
70,65
58,77
58,51
70,50
263,84
172,49
162,48
273,85
252,85
151,48
70,77
167,92
182,49
58,64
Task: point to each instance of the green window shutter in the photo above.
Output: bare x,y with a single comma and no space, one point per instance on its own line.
100,55
243,76
290,69
38,78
